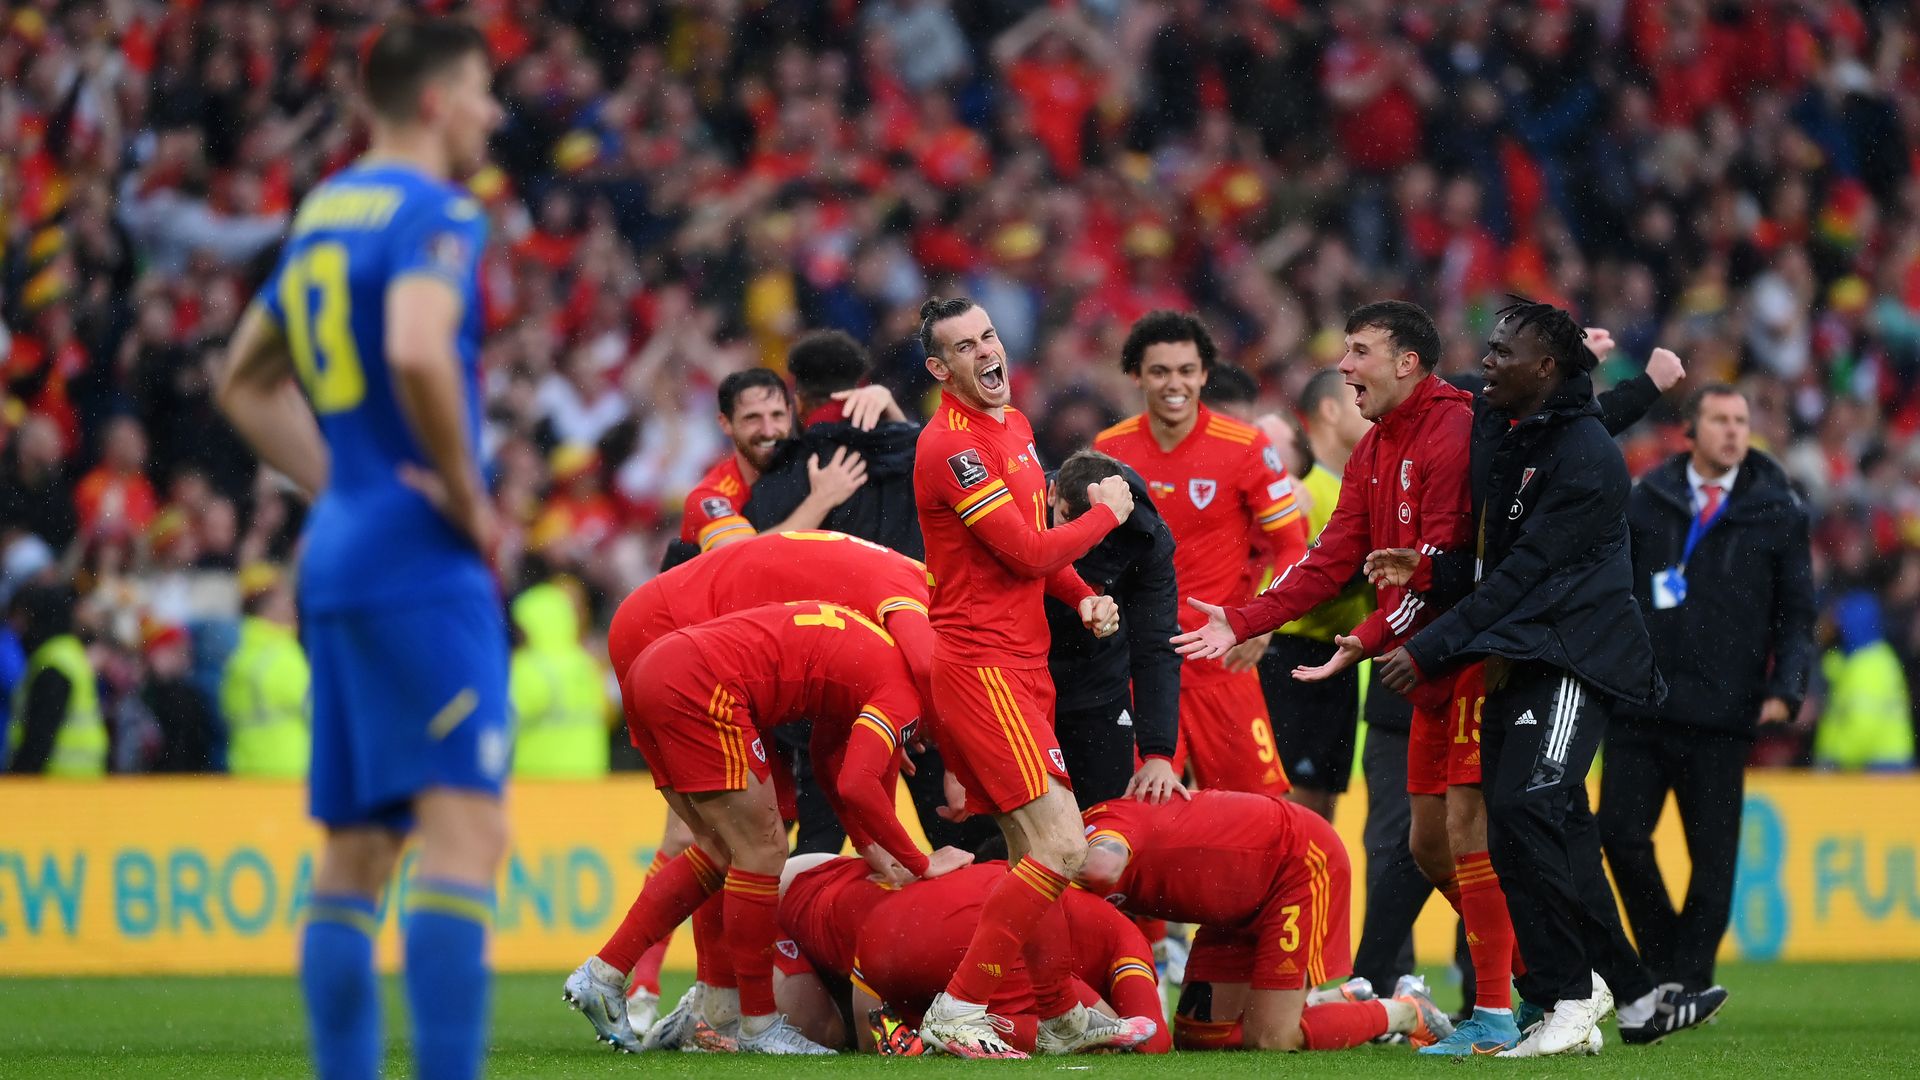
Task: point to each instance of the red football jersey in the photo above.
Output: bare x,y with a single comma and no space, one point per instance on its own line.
1227,500
982,498
772,569
838,668
712,510
1212,859
825,908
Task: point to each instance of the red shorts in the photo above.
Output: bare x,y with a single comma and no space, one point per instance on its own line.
1443,747
1302,936
788,960
695,735
1225,732
995,731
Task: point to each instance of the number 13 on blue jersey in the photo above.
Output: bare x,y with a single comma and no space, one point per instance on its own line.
319,327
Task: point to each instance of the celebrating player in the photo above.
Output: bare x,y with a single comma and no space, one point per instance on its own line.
1267,881
981,495
702,698
898,947
374,311
882,584
1229,502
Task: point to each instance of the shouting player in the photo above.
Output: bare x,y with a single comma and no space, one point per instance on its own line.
880,583
897,948
1267,881
1229,502
374,311
702,700
981,494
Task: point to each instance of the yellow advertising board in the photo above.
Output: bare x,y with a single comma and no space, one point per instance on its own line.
181,875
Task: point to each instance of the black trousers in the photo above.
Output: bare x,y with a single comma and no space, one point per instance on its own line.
1539,733
1097,742
1706,771
1396,889
1313,722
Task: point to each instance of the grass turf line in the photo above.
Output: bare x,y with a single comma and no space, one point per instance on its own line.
1828,1020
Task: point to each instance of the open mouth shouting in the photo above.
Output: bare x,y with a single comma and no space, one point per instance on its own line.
993,376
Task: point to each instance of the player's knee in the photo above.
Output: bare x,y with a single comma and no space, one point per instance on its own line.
1282,1037
1432,853
1466,821
358,862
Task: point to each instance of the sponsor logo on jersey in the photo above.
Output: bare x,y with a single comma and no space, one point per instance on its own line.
1286,967
1201,492
1526,477
1279,488
716,507
1406,474
1406,514
968,469
450,254
1526,719
1514,511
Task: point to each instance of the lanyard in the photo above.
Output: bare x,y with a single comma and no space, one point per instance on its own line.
1699,529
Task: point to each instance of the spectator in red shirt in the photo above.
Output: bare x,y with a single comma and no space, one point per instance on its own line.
116,499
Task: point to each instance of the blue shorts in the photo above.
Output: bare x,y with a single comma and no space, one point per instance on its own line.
406,697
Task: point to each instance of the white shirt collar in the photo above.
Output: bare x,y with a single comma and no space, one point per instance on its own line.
1695,482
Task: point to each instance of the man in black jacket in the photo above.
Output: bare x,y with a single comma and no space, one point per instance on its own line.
1122,692
837,413
1723,574
1551,609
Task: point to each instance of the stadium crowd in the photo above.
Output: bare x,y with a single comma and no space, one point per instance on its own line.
683,187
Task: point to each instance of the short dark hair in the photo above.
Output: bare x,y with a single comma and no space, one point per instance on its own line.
408,54
740,382
1163,328
1408,325
1321,386
1698,400
1565,339
935,311
1082,468
827,361
1232,384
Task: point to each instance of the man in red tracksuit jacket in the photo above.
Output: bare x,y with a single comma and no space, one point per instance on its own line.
1407,485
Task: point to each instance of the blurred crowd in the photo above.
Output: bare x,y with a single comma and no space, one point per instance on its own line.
685,186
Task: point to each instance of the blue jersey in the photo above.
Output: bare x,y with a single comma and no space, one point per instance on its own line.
371,540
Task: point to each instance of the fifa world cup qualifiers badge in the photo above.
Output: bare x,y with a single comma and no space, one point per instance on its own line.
967,468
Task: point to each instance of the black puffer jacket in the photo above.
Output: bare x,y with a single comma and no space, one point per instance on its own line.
1134,565
1555,582
1745,631
881,511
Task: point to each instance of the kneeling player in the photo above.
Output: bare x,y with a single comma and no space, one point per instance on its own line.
700,700
897,948
1268,883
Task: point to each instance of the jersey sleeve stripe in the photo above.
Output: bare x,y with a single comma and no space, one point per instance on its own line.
900,603
1130,966
880,728
994,487
985,508
721,527
1108,834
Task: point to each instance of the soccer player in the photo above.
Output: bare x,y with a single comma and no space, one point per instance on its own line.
1405,485
1229,502
775,568
1267,881
355,373
703,699
756,413
981,496
898,947
1546,596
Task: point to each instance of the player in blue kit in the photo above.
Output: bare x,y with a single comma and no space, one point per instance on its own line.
355,373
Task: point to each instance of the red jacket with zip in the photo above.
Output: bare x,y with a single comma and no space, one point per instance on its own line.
1407,485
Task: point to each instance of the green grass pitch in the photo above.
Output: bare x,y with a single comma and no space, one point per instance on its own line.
1830,1020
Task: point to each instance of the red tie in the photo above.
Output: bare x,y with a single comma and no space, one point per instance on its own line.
1712,492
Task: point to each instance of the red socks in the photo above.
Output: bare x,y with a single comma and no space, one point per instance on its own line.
1450,889
752,929
646,973
1007,922
1483,907
1048,952
1191,1034
1342,1024
665,901
713,961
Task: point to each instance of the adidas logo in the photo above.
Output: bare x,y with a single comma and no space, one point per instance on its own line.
1286,967
990,969
1526,719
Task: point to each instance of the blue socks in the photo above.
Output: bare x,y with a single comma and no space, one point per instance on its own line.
343,996
448,980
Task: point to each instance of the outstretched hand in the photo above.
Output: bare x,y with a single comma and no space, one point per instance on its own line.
1209,642
1348,653
1391,567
